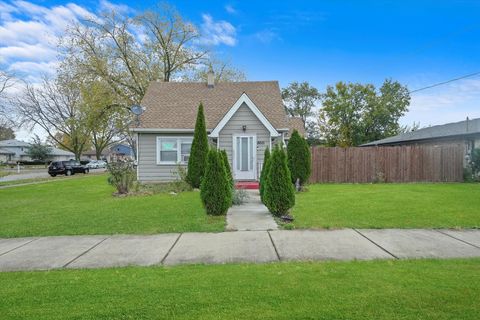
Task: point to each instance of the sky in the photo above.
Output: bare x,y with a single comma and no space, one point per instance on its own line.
418,43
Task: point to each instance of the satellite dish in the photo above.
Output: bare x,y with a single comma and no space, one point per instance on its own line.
137,109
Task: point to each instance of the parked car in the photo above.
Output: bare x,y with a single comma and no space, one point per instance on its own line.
67,168
95,164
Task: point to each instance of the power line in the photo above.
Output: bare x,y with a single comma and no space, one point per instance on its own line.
445,82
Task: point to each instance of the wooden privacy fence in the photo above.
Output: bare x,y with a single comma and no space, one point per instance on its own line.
421,163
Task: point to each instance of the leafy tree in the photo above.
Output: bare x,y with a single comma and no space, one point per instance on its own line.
300,99
198,152
299,158
264,173
56,107
130,52
228,172
279,194
38,151
353,113
6,132
105,119
215,186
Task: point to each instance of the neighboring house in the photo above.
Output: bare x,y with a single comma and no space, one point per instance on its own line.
18,152
242,118
6,155
114,153
464,133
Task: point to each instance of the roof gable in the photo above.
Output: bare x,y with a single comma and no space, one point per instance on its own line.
249,103
173,105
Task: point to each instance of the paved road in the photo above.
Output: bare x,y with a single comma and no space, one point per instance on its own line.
35,174
232,247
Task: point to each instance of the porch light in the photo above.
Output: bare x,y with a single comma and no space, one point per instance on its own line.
244,128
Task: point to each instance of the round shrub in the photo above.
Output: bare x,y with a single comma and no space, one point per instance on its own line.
279,194
299,158
214,186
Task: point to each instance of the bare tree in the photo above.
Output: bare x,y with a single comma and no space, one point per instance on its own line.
223,71
128,53
55,106
170,39
7,81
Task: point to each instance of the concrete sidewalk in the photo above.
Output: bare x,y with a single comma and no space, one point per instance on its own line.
230,247
250,216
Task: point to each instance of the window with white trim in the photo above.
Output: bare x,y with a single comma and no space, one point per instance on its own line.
173,150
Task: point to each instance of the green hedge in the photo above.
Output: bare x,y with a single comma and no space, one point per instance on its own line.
198,152
263,174
279,194
299,158
215,187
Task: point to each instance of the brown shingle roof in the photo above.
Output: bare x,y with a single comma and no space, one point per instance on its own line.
296,123
174,105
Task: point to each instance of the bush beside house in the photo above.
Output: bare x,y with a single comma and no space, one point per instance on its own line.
279,194
228,173
198,151
263,174
299,158
215,187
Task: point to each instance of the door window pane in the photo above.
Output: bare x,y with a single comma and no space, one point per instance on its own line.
244,152
250,140
238,154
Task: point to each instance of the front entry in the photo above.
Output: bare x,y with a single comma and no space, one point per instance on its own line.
244,157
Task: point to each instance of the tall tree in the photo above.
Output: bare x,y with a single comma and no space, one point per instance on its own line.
105,119
300,99
7,80
55,106
222,70
353,113
198,152
129,52
170,39
6,131
298,158
38,150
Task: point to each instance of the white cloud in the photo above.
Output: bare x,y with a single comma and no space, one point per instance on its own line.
230,9
29,35
106,5
266,36
217,32
447,103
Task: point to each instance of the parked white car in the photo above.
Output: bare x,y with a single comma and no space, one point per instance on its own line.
95,164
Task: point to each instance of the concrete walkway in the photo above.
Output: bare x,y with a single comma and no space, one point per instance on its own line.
250,216
229,247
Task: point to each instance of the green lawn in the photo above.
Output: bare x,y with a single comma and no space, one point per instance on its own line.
388,206
421,289
86,206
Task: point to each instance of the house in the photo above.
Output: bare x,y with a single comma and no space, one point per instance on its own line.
464,133
114,153
17,151
243,118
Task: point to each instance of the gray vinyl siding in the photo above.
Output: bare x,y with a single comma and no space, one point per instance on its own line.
148,169
244,116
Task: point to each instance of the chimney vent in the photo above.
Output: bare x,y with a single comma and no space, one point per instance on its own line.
210,79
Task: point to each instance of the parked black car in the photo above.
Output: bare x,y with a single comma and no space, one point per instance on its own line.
66,167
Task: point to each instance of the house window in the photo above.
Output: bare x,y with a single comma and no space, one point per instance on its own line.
173,150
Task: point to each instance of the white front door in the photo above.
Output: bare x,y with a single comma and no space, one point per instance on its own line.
244,157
